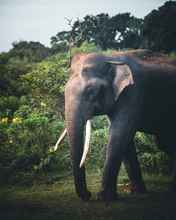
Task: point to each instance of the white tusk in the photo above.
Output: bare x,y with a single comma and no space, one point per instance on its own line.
116,62
87,143
60,139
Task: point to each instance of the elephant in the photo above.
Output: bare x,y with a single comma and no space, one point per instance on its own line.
136,95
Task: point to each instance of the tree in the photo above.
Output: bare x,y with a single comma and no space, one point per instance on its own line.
122,30
127,30
13,65
60,42
159,29
29,51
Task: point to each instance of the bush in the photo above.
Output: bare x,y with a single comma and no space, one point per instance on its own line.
99,139
152,160
26,143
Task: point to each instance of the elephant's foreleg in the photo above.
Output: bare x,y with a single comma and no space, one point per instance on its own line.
124,123
133,169
120,135
111,169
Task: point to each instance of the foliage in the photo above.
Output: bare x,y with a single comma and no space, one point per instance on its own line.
152,160
31,122
85,48
47,82
99,139
60,42
156,31
13,65
128,31
120,31
159,29
29,51
25,143
172,55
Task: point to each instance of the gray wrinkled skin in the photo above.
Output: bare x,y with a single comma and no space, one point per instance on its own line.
136,96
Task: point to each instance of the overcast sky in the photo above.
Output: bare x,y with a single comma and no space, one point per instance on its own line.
38,20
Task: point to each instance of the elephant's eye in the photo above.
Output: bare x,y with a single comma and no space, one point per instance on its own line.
93,93
89,91
85,70
89,72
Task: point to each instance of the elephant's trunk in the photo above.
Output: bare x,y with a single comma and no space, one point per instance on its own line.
75,123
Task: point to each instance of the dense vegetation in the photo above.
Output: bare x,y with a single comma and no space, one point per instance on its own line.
32,79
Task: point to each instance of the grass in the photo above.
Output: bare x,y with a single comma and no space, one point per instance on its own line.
58,201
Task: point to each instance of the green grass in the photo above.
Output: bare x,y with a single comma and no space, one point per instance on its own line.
59,201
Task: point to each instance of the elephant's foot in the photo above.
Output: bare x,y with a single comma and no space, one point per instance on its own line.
85,195
107,196
138,188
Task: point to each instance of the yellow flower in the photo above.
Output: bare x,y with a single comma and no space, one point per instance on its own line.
17,120
4,120
43,104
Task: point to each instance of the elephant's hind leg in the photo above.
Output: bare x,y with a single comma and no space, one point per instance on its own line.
133,169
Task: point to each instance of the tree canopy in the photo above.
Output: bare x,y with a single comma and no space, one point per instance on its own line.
156,31
159,29
120,31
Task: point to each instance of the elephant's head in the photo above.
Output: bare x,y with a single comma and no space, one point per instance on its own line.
94,87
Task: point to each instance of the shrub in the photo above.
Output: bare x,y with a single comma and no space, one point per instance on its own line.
152,160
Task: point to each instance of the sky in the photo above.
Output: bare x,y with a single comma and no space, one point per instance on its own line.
38,20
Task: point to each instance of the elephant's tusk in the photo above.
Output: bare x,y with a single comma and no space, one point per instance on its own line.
116,62
87,143
61,138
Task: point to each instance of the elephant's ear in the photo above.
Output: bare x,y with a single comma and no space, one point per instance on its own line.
123,77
